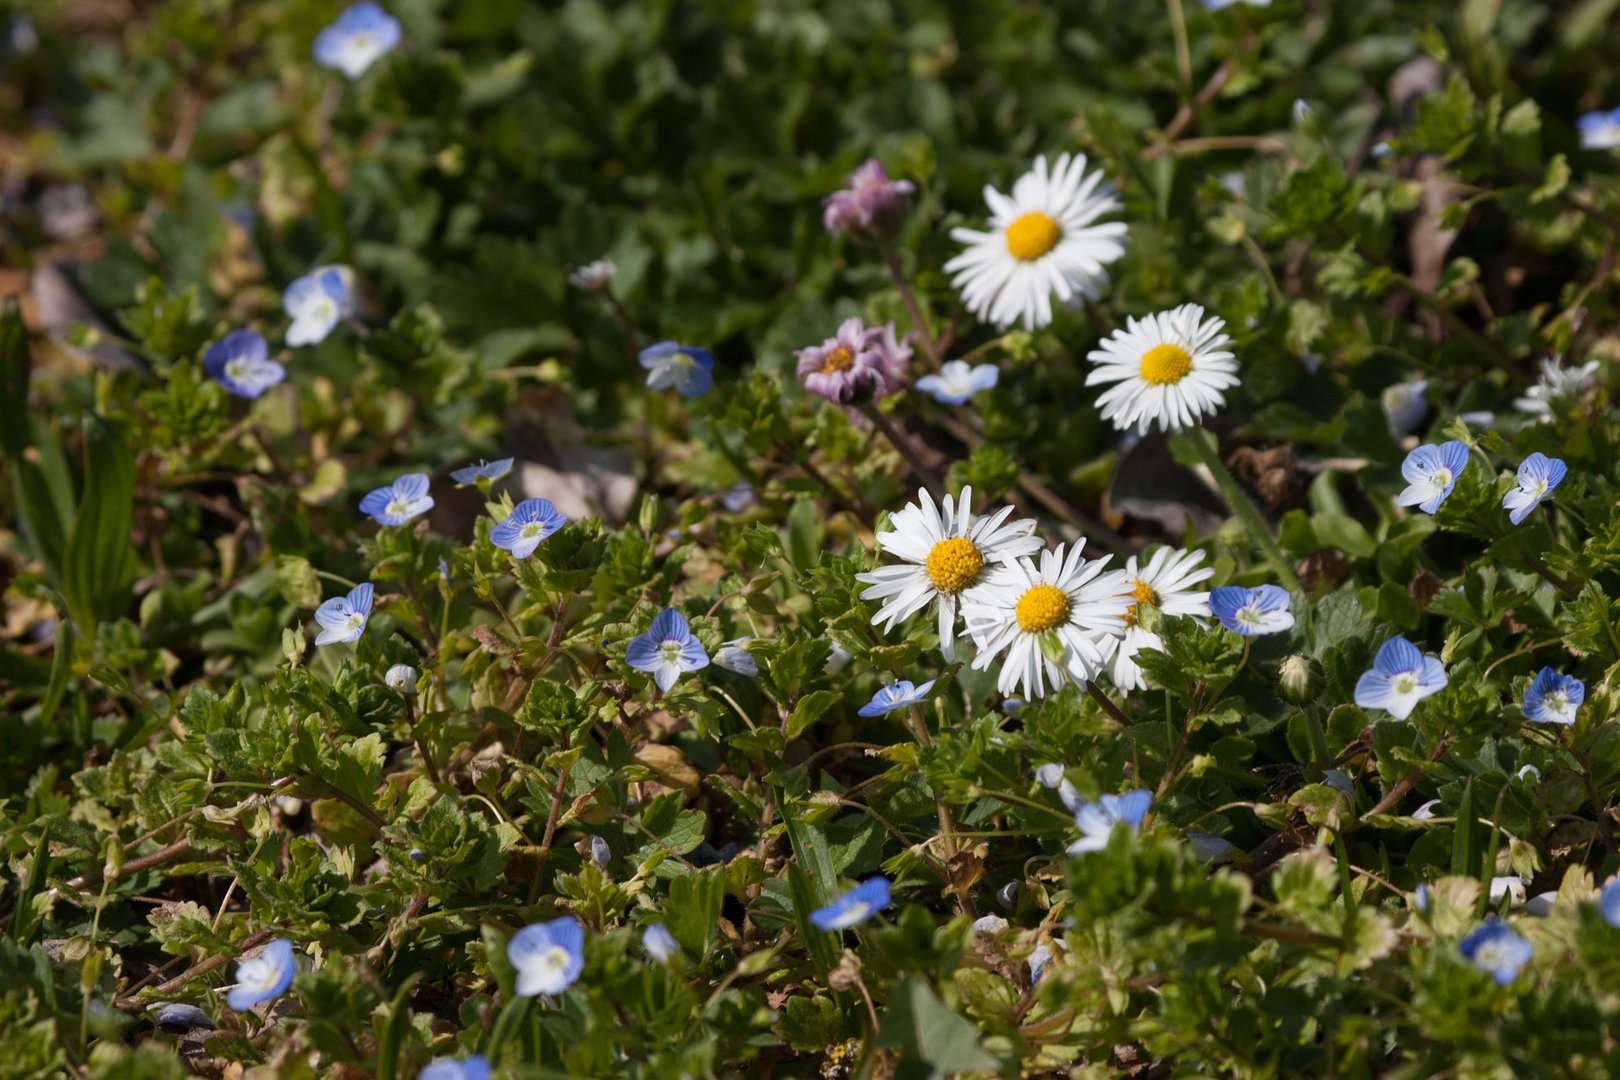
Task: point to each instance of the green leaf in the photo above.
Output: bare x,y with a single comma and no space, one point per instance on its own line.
99,565
919,1024
693,911
1462,854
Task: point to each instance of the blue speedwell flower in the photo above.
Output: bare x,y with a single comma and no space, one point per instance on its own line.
1599,130
483,470
1609,903
958,380
548,956
667,650
1252,612
530,522
1401,676
472,1067
1537,477
897,695
316,303
263,977
687,368
739,497
660,943
359,38
1431,472
240,362
1096,820
344,617
733,656
1552,698
855,906
1494,948
400,501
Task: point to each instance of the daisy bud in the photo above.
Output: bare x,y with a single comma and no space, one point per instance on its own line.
401,678
1300,680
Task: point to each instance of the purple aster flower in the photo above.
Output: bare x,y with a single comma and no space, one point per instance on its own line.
871,207
848,367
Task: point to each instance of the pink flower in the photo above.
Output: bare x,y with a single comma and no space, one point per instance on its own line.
870,207
847,366
893,360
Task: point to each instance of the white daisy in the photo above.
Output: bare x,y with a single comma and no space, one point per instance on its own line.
1049,620
1557,389
943,550
1167,583
1171,368
1044,239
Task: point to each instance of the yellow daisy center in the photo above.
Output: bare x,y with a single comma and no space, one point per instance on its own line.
953,563
840,359
1165,364
1141,593
1042,608
1032,236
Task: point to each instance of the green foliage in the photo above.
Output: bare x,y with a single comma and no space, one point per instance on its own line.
189,775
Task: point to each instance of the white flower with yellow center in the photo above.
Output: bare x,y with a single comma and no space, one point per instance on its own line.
1167,583
1050,620
1044,240
1172,369
943,550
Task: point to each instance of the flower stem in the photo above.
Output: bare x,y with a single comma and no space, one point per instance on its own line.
1203,444
900,442
925,335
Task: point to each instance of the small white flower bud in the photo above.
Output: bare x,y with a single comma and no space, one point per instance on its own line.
401,678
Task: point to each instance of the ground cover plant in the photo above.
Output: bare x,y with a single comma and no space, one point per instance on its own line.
840,539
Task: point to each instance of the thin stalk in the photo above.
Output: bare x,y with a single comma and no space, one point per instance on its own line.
1203,444
925,333
900,442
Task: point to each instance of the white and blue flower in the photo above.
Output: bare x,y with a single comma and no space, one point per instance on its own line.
1405,404
687,368
1431,472
1096,820
240,362
263,977
958,380
472,1067
855,906
1599,130
400,501
667,650
1495,949
896,695
660,943
734,656
1252,612
1537,477
1401,676
344,617
1552,698
482,470
530,522
1609,903
739,497
362,35
548,956
316,303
